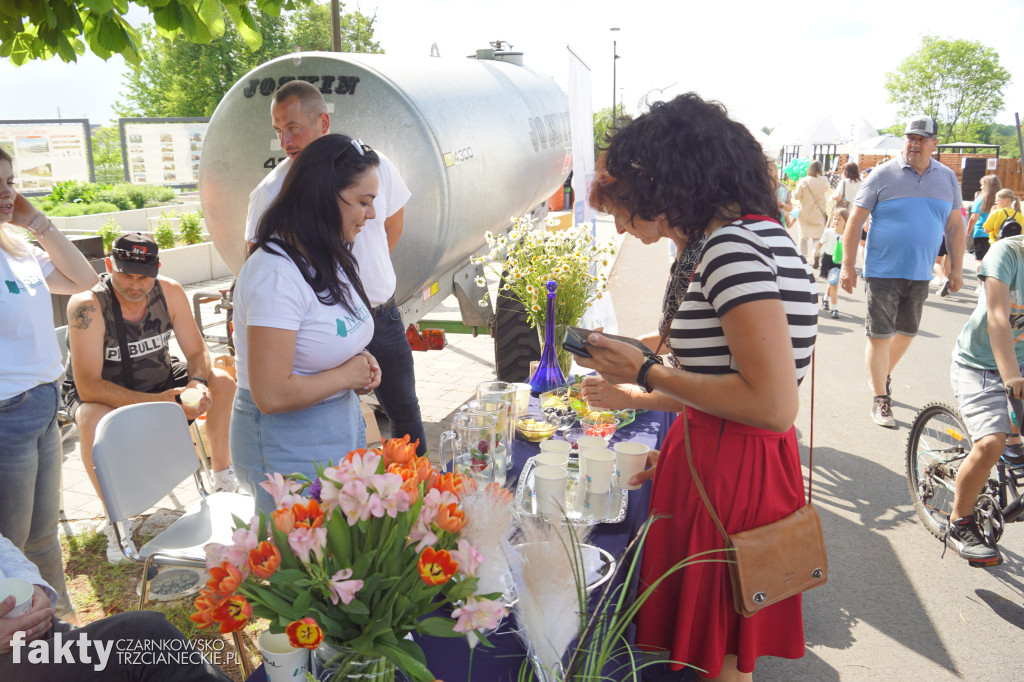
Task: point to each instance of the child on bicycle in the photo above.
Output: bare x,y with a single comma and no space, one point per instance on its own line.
988,359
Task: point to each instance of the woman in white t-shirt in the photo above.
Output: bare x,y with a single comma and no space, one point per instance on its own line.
30,370
301,320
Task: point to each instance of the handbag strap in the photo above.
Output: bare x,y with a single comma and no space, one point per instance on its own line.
700,485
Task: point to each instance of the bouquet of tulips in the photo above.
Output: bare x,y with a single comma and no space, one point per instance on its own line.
356,559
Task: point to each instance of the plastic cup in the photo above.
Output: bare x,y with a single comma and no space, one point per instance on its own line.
589,442
191,397
22,591
559,446
600,465
522,397
554,459
584,443
630,460
282,661
549,487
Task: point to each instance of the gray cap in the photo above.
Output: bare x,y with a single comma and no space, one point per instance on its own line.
921,125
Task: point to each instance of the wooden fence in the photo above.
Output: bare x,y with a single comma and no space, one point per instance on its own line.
1008,170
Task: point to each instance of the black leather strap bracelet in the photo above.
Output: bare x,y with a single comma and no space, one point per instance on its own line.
201,380
641,376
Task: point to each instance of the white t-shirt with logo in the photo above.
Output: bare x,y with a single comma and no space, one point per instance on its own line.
271,292
30,353
371,246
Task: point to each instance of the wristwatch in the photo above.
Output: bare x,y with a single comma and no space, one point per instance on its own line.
201,380
641,376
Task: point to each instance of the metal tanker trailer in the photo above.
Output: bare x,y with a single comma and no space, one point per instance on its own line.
477,140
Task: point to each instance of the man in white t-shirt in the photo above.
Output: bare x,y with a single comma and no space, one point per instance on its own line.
299,115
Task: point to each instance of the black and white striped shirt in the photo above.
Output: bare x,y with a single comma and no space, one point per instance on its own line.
751,259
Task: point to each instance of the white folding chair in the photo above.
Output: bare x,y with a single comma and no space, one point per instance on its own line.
141,453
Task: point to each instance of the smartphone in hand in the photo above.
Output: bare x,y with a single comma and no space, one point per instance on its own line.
575,342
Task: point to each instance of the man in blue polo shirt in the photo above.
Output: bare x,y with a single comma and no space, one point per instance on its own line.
914,201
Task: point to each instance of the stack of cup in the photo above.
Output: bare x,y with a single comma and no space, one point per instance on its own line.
549,487
599,465
630,460
584,443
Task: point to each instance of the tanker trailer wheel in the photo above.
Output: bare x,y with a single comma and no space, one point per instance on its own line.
516,343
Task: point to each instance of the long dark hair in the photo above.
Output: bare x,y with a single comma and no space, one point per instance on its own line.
851,171
304,221
687,160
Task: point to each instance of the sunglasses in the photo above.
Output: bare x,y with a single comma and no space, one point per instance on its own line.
361,148
136,256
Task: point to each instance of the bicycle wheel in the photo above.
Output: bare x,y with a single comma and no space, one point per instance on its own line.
937,443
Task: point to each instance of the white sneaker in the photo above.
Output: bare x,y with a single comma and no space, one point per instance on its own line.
114,553
225,481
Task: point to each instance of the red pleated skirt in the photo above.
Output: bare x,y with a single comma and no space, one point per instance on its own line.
752,478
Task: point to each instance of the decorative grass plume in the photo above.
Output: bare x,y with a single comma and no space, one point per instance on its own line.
548,578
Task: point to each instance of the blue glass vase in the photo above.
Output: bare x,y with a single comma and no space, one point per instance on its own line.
549,374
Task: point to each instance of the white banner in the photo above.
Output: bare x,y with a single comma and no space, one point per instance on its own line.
581,117
163,152
46,153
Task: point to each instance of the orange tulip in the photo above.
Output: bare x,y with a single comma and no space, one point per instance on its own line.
450,518
412,488
265,559
225,579
399,450
424,469
232,613
457,484
436,568
284,520
304,633
308,515
206,603
357,451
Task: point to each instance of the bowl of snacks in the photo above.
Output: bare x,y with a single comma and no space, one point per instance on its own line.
563,399
600,424
537,426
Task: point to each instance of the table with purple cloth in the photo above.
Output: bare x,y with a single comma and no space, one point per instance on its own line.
449,659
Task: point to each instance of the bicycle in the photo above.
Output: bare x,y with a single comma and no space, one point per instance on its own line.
937,444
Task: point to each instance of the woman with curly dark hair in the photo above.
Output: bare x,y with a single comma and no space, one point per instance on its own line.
743,336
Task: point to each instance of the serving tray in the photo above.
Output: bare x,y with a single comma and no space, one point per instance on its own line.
582,507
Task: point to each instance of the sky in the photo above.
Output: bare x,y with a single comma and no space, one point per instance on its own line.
769,63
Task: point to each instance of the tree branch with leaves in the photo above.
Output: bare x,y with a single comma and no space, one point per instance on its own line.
960,83
42,29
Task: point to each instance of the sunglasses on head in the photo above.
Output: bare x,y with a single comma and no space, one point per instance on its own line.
361,148
136,256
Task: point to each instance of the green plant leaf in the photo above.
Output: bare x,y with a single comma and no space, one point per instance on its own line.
301,605
436,626
246,25
99,6
212,16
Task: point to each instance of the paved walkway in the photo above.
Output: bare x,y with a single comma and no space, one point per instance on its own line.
445,380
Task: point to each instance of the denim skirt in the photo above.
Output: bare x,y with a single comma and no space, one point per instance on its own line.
289,442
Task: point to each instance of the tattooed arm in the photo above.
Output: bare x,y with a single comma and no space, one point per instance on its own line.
85,339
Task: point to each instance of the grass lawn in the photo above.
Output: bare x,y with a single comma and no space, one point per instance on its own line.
99,589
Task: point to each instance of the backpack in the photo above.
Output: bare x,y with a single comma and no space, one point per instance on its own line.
1010,227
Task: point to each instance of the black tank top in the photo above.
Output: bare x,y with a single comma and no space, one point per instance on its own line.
147,342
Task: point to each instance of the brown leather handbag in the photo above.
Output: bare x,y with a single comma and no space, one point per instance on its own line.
773,562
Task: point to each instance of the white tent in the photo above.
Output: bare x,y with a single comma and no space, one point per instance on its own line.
843,130
882,144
